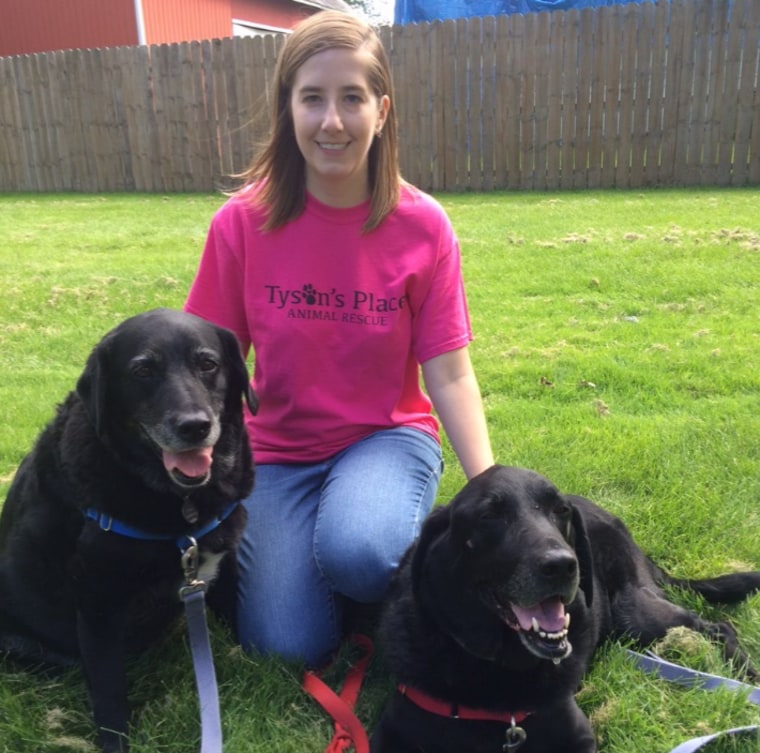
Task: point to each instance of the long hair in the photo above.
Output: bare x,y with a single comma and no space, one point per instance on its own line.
280,166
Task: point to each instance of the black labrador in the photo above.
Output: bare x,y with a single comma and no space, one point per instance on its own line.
495,612
146,453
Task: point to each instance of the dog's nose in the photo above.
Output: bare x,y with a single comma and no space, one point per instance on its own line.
559,565
193,427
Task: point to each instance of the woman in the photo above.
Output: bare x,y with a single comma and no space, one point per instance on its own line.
346,282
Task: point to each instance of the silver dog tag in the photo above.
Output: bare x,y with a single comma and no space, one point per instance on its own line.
515,737
190,512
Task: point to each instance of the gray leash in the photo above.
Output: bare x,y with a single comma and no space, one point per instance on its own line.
193,595
697,743
652,664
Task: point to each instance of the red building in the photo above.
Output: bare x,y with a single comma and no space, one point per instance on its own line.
29,26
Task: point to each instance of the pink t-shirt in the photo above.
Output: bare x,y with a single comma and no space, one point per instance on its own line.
339,320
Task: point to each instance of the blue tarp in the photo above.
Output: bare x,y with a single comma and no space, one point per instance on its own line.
412,11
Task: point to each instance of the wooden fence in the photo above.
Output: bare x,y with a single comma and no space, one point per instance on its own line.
631,95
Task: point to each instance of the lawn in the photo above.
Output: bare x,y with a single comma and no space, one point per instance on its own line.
618,351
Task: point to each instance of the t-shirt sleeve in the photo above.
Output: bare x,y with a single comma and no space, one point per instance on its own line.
442,322
216,293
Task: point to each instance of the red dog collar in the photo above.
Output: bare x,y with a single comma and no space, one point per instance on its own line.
455,711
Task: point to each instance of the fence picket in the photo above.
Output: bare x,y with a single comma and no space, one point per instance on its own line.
626,96
583,99
702,61
9,126
725,125
750,57
641,110
488,104
421,129
611,87
512,122
501,103
597,94
450,74
528,103
557,117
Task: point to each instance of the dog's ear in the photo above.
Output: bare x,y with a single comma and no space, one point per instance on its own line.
436,523
582,545
241,383
443,591
92,384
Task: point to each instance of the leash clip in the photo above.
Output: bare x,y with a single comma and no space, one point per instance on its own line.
515,737
190,560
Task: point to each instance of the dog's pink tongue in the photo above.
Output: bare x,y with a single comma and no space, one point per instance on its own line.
191,463
549,614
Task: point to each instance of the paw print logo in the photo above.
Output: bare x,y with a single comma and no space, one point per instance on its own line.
310,294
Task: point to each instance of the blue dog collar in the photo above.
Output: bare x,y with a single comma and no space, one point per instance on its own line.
110,524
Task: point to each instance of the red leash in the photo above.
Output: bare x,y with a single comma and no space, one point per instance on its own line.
348,729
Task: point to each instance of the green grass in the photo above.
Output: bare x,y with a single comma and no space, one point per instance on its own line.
617,348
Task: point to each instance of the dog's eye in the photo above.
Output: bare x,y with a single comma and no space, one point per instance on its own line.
142,370
562,510
493,515
208,365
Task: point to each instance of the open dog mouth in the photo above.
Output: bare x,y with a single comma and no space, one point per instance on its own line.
187,465
188,468
542,627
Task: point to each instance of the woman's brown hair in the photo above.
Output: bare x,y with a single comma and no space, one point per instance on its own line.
280,165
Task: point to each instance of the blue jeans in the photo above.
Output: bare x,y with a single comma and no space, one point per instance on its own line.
318,534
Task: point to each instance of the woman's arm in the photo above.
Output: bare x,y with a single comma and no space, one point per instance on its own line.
453,388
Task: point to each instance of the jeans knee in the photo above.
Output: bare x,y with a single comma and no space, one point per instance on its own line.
308,636
309,648
360,568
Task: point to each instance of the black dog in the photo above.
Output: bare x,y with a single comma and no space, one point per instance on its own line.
149,450
495,612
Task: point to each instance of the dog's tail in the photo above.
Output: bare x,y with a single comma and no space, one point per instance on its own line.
723,589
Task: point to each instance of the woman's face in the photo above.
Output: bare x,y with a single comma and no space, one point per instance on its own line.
336,117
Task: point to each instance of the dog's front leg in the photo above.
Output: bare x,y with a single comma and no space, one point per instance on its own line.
560,728
101,643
